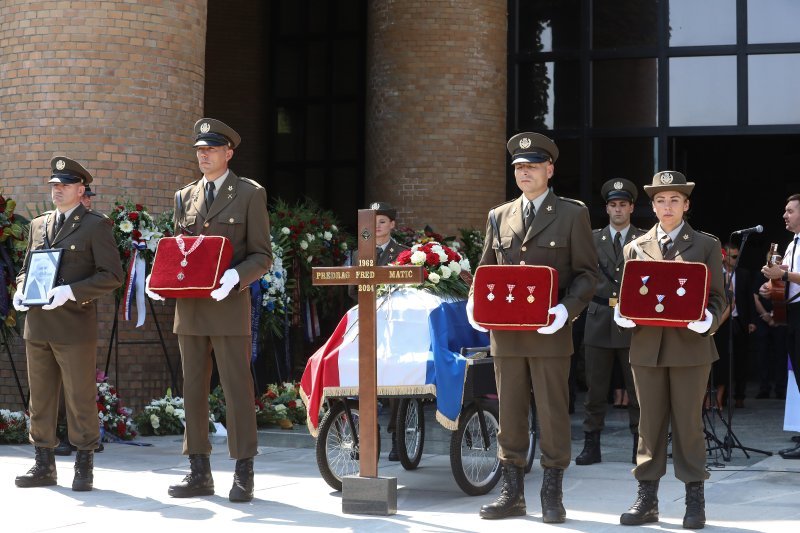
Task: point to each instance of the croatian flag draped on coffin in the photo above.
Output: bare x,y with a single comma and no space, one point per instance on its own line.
419,336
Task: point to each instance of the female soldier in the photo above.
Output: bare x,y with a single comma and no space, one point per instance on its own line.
671,365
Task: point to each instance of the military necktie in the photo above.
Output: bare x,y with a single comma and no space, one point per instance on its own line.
378,252
666,242
59,223
530,214
618,244
209,194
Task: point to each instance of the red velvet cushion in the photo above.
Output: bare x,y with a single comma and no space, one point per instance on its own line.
664,279
201,275
497,312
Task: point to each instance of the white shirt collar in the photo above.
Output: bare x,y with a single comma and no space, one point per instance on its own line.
218,183
66,213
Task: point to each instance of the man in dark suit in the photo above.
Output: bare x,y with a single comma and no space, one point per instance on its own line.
741,323
603,341
538,228
671,364
221,203
61,337
387,251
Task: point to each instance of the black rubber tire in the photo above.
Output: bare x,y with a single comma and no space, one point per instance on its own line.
410,432
476,468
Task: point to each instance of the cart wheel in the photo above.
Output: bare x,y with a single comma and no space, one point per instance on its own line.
410,432
337,451
474,462
533,435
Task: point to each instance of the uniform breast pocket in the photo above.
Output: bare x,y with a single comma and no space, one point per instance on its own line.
555,249
232,225
501,247
76,260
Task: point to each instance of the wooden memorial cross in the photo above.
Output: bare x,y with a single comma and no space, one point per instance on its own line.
367,275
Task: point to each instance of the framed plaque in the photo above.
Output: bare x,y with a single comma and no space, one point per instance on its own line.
41,276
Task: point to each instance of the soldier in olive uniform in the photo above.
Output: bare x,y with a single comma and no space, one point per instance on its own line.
61,337
221,203
387,251
671,365
538,228
603,341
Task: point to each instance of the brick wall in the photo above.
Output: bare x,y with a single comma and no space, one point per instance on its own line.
436,110
116,85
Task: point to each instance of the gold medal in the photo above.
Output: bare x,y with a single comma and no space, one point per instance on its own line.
531,298
643,290
659,308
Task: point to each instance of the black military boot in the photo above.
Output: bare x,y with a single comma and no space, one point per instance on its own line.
43,472
635,447
242,490
84,471
553,511
591,449
393,456
645,508
512,495
198,482
695,517
64,447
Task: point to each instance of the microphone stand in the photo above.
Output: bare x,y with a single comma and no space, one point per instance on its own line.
731,441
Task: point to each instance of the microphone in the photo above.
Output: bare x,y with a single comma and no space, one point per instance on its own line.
748,231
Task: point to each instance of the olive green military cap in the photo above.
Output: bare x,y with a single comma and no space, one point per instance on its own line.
669,180
67,171
530,147
212,132
385,209
619,189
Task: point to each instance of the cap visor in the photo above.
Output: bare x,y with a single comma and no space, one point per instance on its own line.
207,142
529,159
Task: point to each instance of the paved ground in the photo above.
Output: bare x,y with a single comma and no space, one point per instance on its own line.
743,495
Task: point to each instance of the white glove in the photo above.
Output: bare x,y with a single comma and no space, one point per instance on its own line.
152,295
18,297
226,284
701,326
470,307
622,321
561,318
60,295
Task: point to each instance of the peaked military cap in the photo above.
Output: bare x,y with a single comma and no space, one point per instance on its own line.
383,208
89,191
67,171
212,132
530,147
669,180
619,189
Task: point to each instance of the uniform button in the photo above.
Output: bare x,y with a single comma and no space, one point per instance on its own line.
617,269
230,220
552,243
72,247
522,262
524,248
205,225
613,294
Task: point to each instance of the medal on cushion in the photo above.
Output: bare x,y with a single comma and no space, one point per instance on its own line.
182,249
643,289
659,305
681,291
531,298
510,298
490,296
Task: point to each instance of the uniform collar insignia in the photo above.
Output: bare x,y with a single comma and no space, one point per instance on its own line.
603,237
685,236
549,208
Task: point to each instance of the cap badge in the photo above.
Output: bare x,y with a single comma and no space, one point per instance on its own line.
666,178
60,164
375,206
618,185
524,143
205,127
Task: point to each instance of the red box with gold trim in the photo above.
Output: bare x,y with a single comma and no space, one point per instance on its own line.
193,272
514,297
664,293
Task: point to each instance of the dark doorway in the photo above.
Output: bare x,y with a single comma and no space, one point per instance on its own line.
742,181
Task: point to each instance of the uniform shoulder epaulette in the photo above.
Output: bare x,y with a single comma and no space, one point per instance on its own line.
708,235
598,230
189,184
40,215
254,183
505,203
572,200
96,213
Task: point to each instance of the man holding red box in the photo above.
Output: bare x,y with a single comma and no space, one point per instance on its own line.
221,203
538,228
671,365
603,341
